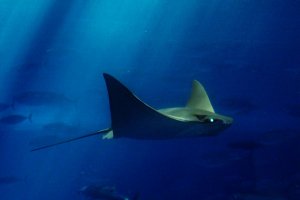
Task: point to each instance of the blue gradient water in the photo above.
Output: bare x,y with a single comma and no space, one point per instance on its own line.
245,53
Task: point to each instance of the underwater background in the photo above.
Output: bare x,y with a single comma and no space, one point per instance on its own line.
52,57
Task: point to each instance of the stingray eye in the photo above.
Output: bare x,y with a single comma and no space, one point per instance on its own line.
212,120
209,120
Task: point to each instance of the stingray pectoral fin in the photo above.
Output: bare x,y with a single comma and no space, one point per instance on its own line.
131,117
199,98
73,139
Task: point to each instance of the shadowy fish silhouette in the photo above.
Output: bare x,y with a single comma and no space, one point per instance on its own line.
14,119
43,139
4,180
38,98
60,127
245,145
4,106
103,193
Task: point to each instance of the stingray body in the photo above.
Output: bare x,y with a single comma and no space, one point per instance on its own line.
132,118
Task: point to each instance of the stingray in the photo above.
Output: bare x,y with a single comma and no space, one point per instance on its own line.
132,118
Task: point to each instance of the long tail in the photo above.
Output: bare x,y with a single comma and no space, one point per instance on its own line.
73,139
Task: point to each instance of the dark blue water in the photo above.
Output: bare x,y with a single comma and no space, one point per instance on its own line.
245,53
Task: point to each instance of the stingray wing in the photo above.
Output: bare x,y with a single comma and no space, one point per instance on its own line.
130,117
